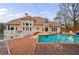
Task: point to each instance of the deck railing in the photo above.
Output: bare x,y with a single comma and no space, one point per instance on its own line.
12,34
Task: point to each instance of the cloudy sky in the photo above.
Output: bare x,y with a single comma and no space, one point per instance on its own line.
10,11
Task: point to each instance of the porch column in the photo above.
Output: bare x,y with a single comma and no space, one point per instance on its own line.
6,27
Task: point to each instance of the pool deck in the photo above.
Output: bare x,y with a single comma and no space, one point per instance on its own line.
23,46
30,46
3,48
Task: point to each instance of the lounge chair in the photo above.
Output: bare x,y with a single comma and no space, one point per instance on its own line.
77,33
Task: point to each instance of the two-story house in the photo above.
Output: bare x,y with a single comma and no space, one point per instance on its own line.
29,25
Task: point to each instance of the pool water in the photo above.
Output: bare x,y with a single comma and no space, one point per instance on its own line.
58,38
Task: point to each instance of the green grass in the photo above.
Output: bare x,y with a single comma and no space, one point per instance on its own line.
70,34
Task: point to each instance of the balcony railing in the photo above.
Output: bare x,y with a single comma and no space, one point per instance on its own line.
12,34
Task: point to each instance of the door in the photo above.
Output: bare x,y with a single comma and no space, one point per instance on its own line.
46,29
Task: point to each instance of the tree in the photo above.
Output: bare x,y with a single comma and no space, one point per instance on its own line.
2,27
69,13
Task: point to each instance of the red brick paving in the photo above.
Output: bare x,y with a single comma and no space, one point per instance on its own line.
3,48
23,46
30,46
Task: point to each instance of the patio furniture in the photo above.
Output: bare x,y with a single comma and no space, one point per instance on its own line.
77,33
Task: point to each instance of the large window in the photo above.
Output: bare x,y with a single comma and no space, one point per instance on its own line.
54,29
30,29
27,28
12,28
46,29
27,23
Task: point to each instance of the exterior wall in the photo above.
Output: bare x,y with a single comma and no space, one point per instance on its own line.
58,29
37,30
29,26
46,25
19,33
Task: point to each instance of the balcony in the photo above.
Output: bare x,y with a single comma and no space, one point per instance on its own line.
12,34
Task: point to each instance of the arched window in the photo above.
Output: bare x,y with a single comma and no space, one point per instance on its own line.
12,28
27,23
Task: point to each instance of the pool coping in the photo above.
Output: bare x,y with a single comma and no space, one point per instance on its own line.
57,43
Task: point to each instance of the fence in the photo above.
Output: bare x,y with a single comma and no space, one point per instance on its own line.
16,34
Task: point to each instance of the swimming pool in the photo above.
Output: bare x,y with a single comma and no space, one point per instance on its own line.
58,38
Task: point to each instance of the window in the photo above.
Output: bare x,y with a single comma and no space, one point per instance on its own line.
12,28
46,29
23,28
27,28
30,29
30,24
37,27
54,29
27,23
8,27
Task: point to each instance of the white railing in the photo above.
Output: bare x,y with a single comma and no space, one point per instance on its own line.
12,34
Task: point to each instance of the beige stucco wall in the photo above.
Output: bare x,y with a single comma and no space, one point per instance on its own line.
37,30
26,21
34,27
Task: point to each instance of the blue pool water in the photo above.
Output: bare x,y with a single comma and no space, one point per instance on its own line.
58,38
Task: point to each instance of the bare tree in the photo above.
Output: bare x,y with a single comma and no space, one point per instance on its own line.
69,12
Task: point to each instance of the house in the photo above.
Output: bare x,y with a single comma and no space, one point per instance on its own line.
29,25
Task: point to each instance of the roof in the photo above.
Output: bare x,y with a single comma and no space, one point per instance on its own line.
17,22
54,23
14,22
38,21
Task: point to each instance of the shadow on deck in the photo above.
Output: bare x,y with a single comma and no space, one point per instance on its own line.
57,49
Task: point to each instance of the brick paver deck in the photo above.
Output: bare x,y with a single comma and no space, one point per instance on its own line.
23,46
57,49
29,46
3,48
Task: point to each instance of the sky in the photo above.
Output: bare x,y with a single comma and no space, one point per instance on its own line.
10,11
